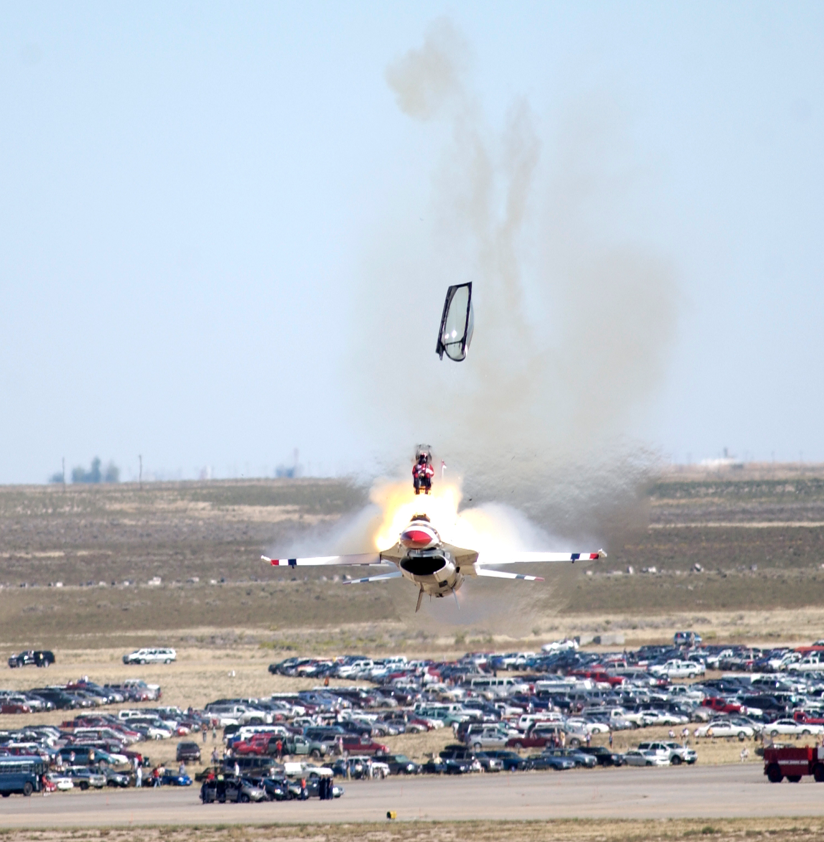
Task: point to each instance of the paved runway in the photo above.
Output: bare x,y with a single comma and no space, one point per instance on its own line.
676,792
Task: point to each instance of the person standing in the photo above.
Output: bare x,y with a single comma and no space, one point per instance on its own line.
138,775
203,730
610,740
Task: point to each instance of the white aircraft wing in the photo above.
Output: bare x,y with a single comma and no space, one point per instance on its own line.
484,561
319,561
382,578
500,574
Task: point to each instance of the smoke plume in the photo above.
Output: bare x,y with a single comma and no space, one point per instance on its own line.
572,317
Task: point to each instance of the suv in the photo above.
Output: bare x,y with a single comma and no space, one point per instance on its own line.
687,638
150,656
33,657
187,752
677,753
460,759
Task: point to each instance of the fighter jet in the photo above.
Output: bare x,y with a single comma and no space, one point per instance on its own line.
434,566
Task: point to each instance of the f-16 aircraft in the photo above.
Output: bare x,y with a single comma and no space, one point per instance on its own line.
434,566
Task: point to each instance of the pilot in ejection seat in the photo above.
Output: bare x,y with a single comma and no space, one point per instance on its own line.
422,473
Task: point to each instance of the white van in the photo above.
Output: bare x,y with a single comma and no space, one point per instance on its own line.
490,686
150,656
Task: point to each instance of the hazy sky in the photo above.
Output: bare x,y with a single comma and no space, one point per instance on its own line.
192,193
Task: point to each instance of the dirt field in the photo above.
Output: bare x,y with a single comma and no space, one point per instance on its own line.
562,830
757,533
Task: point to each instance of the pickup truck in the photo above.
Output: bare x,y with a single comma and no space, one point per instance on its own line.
720,705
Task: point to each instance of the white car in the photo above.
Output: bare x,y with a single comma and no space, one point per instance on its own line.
790,726
724,728
565,645
646,758
590,726
678,669
150,656
663,717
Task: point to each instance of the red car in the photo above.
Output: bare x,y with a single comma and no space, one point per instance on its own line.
720,705
256,744
362,745
14,707
804,718
599,675
538,737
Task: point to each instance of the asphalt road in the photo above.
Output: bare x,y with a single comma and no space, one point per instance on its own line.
697,792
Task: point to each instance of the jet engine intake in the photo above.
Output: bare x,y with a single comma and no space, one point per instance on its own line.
423,565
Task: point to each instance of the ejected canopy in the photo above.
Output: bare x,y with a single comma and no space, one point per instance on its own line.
457,323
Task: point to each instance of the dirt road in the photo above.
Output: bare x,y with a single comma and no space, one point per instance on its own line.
705,792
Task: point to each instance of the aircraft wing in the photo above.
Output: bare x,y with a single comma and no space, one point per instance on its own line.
319,561
395,575
496,560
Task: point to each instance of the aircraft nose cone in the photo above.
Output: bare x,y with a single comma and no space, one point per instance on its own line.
415,537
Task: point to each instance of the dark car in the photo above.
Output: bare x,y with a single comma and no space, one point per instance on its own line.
173,779
276,789
550,761
603,755
188,752
458,759
511,761
115,779
60,699
433,766
32,657
574,754
399,764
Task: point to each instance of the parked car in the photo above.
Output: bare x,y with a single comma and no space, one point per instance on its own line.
230,789
510,760
83,777
115,779
188,752
550,761
793,728
725,728
174,779
678,754
634,757
603,755
32,657
399,764
575,754
150,656
434,766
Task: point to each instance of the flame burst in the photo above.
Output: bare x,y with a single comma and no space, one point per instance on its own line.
491,529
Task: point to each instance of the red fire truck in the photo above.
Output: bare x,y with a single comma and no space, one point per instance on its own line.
793,762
